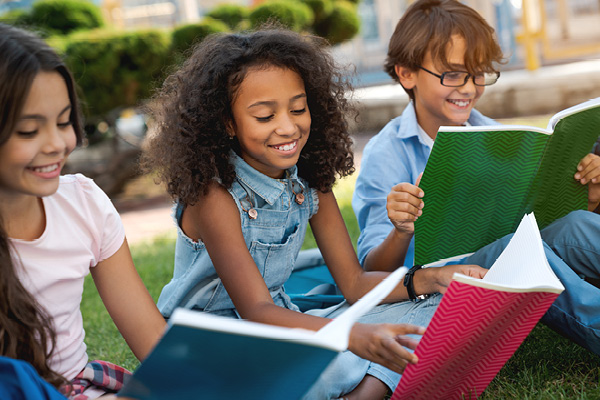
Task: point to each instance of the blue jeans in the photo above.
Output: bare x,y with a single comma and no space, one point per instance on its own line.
572,246
574,238
347,370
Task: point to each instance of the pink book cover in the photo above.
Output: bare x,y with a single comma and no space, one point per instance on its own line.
472,335
480,323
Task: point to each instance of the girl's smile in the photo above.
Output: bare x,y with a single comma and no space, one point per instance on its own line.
47,172
271,119
287,148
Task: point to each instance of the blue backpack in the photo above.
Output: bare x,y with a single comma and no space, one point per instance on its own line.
311,285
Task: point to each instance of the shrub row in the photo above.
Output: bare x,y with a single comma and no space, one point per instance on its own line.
116,69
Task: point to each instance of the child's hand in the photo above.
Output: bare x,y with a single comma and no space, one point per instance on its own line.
404,205
588,172
385,344
437,279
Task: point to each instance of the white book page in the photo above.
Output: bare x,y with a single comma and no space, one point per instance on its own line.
522,266
572,110
202,320
494,128
338,330
334,335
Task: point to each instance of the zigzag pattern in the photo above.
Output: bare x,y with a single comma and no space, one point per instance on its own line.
479,184
471,336
557,192
471,201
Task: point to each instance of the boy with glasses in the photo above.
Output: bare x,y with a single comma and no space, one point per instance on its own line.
444,54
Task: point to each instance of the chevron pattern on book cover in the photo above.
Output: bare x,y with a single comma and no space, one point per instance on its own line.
478,183
461,201
471,336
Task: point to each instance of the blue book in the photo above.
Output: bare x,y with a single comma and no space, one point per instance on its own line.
202,356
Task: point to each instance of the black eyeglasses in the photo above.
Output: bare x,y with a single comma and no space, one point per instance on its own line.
460,78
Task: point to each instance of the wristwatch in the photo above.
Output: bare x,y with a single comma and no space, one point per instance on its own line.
410,288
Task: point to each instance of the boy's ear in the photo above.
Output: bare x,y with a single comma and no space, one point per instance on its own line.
406,76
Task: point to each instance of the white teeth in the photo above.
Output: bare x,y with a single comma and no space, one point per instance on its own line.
286,147
49,168
460,103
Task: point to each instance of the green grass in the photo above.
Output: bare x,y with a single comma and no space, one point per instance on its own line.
546,366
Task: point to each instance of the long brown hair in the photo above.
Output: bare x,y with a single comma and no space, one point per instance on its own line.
26,331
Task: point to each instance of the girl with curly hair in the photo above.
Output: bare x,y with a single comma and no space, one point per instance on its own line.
60,229
249,136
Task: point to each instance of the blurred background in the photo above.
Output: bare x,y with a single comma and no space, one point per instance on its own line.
121,50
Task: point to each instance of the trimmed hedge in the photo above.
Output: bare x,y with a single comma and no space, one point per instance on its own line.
321,8
117,69
342,24
231,14
185,36
61,17
293,15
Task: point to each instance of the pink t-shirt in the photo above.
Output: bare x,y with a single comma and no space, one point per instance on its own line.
82,229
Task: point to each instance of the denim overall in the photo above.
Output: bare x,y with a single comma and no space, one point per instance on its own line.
273,238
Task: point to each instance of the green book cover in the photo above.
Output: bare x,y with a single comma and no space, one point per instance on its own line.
480,181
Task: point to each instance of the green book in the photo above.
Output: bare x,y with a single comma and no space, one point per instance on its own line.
479,181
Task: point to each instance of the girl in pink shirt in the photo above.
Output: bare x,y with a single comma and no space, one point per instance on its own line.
61,227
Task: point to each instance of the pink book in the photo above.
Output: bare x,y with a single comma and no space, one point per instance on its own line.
480,323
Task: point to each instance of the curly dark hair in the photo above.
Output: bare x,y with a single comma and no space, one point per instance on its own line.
189,146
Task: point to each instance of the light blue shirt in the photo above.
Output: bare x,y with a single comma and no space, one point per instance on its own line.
396,154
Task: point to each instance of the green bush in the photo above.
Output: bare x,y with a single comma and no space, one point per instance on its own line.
63,16
321,8
295,16
17,17
116,69
231,14
185,36
342,24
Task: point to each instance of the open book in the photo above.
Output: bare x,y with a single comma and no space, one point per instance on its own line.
203,356
480,323
479,181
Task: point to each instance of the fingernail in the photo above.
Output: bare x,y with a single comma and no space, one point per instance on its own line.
579,168
577,176
583,181
421,205
421,194
420,213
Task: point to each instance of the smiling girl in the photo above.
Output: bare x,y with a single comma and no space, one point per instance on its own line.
62,228
249,136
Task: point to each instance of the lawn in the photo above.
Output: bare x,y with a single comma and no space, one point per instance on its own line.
546,366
